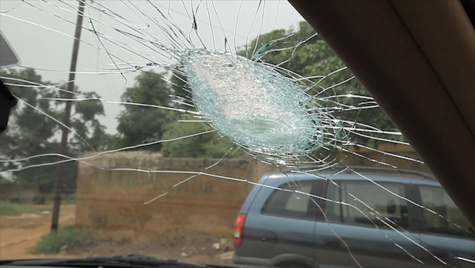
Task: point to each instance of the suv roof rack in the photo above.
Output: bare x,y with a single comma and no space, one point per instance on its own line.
390,170
349,169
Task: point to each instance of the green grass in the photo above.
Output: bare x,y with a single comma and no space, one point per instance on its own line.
69,200
66,236
7,208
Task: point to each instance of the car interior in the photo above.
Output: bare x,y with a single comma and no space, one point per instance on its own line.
417,60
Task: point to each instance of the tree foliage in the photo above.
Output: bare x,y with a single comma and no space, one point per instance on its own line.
139,124
299,51
32,131
303,52
209,145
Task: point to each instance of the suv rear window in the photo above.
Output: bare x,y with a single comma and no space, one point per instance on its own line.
288,203
447,219
357,197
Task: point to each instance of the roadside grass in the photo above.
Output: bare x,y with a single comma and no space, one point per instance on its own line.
69,200
65,237
11,209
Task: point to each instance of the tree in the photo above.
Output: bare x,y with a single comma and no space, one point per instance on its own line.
312,58
300,51
139,124
208,145
86,124
31,132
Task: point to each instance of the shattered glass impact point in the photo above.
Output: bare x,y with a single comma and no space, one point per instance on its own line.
248,102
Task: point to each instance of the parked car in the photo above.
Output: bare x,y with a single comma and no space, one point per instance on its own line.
323,219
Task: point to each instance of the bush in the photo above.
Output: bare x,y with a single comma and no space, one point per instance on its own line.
7,208
64,237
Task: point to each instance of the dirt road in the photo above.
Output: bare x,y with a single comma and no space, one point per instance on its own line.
18,234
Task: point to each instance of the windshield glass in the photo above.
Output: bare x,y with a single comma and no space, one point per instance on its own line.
222,132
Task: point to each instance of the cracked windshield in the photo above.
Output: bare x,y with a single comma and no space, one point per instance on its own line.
212,132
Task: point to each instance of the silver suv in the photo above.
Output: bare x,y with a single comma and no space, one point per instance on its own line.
369,217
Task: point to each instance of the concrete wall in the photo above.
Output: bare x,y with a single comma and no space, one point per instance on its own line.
367,157
111,202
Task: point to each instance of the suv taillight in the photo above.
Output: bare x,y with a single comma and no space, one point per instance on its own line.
238,229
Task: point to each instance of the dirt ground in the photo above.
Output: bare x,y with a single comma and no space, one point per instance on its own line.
18,234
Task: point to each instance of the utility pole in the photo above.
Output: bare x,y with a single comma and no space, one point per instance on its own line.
67,114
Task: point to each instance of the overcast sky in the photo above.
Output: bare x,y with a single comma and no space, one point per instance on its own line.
41,34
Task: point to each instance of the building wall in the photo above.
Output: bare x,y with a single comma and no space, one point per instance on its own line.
110,202
394,155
